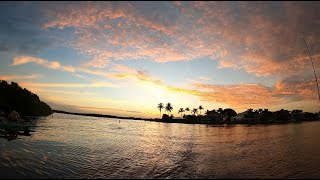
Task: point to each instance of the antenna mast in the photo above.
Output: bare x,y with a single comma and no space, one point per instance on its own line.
315,75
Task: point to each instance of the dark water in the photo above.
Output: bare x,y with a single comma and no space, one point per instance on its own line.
69,146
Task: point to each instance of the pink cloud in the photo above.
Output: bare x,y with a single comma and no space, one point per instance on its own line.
82,15
263,38
131,26
240,96
243,96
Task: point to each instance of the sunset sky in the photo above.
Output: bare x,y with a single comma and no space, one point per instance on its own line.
123,58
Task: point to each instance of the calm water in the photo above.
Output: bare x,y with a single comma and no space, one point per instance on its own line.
69,146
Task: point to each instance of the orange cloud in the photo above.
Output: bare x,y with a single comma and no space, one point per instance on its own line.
239,96
132,24
64,92
26,59
102,109
147,78
261,38
122,72
19,60
305,90
242,96
258,41
258,37
97,84
13,77
82,14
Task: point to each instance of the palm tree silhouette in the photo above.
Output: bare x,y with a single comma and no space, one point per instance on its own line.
194,111
160,106
207,112
187,109
168,107
200,108
181,111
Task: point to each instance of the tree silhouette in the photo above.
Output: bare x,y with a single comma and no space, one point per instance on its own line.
181,111
200,108
194,111
160,106
250,113
26,103
207,112
168,107
229,112
220,110
187,109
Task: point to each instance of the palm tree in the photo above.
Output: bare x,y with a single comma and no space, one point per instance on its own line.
207,112
200,108
160,106
194,111
250,112
181,111
168,107
187,109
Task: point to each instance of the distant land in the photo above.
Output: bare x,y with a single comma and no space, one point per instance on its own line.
281,117
99,115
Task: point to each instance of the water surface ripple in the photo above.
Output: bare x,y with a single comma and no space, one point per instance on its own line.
70,146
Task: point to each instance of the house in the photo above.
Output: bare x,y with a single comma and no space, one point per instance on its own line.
246,117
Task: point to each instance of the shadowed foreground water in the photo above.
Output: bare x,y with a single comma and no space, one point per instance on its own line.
70,146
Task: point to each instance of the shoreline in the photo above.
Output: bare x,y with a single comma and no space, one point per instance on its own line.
185,121
232,124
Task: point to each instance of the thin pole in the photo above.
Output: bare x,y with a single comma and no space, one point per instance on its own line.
315,75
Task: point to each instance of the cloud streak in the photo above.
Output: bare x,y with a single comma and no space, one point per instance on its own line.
93,85
242,96
121,71
103,109
237,96
49,64
65,92
15,77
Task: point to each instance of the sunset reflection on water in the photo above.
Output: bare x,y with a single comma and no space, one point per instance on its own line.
70,146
